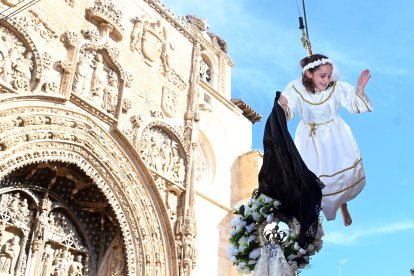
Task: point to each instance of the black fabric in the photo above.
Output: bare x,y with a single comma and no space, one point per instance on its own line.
284,176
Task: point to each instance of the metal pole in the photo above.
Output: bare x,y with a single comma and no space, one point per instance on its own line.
304,16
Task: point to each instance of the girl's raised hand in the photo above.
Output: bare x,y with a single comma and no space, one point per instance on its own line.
363,80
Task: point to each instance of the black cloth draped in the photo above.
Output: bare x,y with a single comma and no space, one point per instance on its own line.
284,176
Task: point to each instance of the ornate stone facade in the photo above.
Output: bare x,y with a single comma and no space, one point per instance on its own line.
118,141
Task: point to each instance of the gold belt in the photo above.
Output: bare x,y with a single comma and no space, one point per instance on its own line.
313,127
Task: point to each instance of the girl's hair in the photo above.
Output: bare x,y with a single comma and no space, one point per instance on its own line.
307,82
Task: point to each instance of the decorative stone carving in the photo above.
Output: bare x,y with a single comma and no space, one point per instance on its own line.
70,38
168,102
163,154
126,105
137,33
92,35
105,11
185,232
16,209
9,254
20,62
41,26
177,81
149,38
95,81
76,139
16,62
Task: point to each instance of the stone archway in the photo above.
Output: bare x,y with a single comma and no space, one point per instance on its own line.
45,135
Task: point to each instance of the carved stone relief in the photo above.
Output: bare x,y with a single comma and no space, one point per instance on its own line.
185,231
149,39
64,136
163,154
96,82
62,235
16,63
41,26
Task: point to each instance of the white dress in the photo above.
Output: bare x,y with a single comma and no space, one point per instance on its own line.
325,142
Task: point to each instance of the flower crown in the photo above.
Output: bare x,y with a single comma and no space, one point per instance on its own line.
316,63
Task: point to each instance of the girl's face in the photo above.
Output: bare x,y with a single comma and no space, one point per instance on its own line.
321,77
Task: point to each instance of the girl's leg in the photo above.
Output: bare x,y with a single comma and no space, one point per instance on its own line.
345,214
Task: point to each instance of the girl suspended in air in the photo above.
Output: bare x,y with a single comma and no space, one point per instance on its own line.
323,139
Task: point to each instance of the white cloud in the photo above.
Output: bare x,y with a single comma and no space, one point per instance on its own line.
346,238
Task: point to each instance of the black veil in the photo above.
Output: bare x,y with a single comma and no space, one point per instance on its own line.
284,176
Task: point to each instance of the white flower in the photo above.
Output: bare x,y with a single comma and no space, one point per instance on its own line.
261,211
296,246
240,266
251,238
240,226
236,220
256,216
243,242
231,250
316,63
232,232
250,227
255,254
302,251
266,199
247,211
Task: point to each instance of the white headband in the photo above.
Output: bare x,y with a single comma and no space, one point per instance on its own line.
316,63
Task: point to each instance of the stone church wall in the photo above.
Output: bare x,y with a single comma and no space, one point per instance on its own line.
120,145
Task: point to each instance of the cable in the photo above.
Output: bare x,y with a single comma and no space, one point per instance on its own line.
19,10
1,13
297,6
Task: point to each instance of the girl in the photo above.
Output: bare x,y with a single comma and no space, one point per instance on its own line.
323,139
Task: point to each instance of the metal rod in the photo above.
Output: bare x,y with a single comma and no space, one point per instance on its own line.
304,15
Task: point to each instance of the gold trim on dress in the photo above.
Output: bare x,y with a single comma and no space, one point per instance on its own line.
322,102
341,171
343,190
363,100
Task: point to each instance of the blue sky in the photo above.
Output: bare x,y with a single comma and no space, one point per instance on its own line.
264,43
